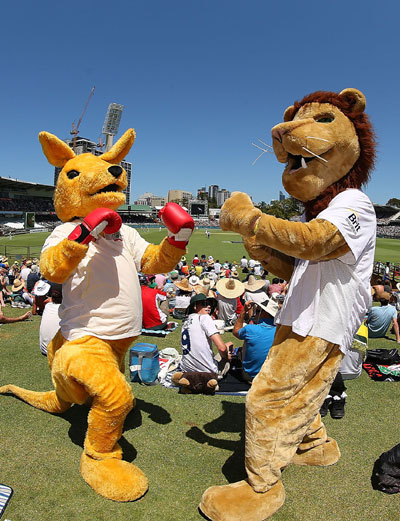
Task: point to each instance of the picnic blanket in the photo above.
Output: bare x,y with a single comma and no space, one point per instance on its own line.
161,333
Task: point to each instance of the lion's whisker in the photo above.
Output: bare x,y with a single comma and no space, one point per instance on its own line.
254,162
269,146
263,149
320,138
316,155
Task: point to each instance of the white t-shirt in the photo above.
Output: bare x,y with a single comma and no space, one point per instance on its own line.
24,273
329,299
102,297
197,353
49,325
243,262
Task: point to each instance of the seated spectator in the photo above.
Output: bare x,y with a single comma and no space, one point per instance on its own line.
182,300
199,332
381,317
171,290
258,335
33,277
160,280
243,262
13,272
258,269
275,287
5,293
155,306
195,260
217,267
255,290
50,322
228,292
184,269
41,297
21,298
198,270
25,270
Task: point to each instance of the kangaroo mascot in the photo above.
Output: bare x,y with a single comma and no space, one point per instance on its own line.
97,260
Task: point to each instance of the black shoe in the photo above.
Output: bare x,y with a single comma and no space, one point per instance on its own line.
337,408
325,406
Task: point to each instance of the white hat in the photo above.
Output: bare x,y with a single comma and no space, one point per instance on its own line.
398,286
42,288
230,288
194,280
271,307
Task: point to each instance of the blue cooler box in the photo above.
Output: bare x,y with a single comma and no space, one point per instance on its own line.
144,364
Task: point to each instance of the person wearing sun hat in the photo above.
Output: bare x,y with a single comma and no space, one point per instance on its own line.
254,290
199,332
19,294
182,299
228,292
257,336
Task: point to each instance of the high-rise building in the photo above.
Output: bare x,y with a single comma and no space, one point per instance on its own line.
222,196
281,196
212,191
179,196
83,146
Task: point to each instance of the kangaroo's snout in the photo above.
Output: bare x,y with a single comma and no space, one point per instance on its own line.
115,170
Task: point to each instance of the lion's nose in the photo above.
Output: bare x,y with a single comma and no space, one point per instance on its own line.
115,170
278,133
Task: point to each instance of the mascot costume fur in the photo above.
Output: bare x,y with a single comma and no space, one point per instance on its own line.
327,144
97,260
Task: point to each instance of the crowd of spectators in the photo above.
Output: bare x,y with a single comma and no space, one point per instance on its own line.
22,286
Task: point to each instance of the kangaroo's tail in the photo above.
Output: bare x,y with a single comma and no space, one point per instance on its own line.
47,401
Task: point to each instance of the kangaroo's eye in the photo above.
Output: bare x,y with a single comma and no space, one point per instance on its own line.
324,119
72,173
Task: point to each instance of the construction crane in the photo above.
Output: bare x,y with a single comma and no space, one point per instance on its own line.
75,129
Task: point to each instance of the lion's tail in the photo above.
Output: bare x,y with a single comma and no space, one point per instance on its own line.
46,401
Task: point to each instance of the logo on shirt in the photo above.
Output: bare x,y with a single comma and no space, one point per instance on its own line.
353,220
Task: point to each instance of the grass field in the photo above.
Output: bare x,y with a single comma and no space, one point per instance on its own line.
183,443
222,245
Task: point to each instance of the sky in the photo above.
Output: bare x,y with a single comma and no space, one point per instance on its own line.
199,81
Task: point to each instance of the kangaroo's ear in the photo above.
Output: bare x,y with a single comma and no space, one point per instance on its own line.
121,148
56,151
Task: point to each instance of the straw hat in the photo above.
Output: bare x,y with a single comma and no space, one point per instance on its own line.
183,285
253,284
17,286
230,288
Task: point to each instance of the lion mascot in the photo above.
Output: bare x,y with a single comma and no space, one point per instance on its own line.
327,143
97,260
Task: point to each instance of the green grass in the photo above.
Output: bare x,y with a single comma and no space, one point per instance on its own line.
183,443
222,245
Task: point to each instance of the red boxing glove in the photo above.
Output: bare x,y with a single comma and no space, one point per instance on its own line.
100,220
179,224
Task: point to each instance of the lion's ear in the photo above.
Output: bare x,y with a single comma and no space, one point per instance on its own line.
288,114
56,151
356,98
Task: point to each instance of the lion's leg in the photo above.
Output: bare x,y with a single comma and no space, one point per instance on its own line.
281,405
